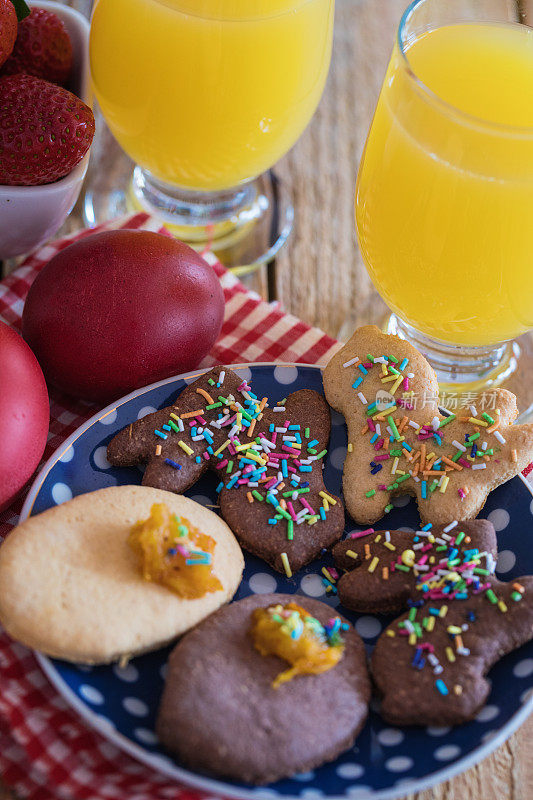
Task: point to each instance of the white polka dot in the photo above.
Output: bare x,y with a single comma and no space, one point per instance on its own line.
506,561
91,694
338,419
261,792
356,792
311,793
488,736
500,518
488,713
61,493
526,696
390,737
84,667
368,627
337,456
145,735
399,764
109,418
350,771
531,506
68,455
100,458
163,671
447,752
406,528
524,668
312,585
245,373
129,673
262,583
438,730
145,410
285,375
400,502
304,776
136,707
202,499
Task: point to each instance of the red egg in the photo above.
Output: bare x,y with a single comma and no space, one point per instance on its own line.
24,414
121,309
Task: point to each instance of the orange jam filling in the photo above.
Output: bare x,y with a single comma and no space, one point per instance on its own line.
174,553
292,634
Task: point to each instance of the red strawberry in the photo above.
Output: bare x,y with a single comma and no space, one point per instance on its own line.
8,29
44,131
43,48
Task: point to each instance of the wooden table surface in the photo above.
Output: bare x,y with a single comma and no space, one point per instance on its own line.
320,276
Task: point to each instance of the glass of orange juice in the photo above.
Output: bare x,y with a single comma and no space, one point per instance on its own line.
205,96
444,196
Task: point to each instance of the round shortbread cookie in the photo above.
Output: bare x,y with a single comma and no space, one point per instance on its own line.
71,586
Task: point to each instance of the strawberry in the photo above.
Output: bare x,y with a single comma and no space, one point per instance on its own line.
44,131
43,48
8,29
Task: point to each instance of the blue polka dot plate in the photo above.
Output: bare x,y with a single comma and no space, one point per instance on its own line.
121,703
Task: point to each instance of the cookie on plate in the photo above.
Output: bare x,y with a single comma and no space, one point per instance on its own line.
72,584
268,461
400,443
232,711
430,664
384,571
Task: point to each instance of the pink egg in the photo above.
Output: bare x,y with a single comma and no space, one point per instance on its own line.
24,414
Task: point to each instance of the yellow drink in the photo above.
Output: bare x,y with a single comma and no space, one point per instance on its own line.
208,93
444,201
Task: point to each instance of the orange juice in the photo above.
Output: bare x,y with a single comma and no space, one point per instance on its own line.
208,93
444,200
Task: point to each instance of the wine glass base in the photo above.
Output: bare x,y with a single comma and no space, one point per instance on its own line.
466,373
245,229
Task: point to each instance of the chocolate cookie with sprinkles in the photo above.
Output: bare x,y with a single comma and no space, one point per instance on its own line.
385,571
400,443
268,460
430,664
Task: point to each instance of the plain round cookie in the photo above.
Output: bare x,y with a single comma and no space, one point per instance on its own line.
219,713
71,586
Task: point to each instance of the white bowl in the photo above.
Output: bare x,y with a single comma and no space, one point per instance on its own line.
30,215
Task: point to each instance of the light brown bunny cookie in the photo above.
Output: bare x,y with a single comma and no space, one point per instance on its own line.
400,443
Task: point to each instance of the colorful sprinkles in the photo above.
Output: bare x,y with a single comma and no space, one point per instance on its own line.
434,459
273,465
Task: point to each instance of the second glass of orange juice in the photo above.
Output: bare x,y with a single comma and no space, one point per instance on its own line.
205,95
444,199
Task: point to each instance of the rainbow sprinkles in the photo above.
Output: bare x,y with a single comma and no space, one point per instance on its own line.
400,441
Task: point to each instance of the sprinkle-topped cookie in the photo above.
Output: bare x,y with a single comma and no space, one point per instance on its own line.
268,460
290,632
385,571
400,443
430,664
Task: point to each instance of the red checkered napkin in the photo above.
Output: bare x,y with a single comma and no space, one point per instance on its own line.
46,752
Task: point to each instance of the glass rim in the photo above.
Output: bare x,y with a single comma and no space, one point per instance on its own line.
524,131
